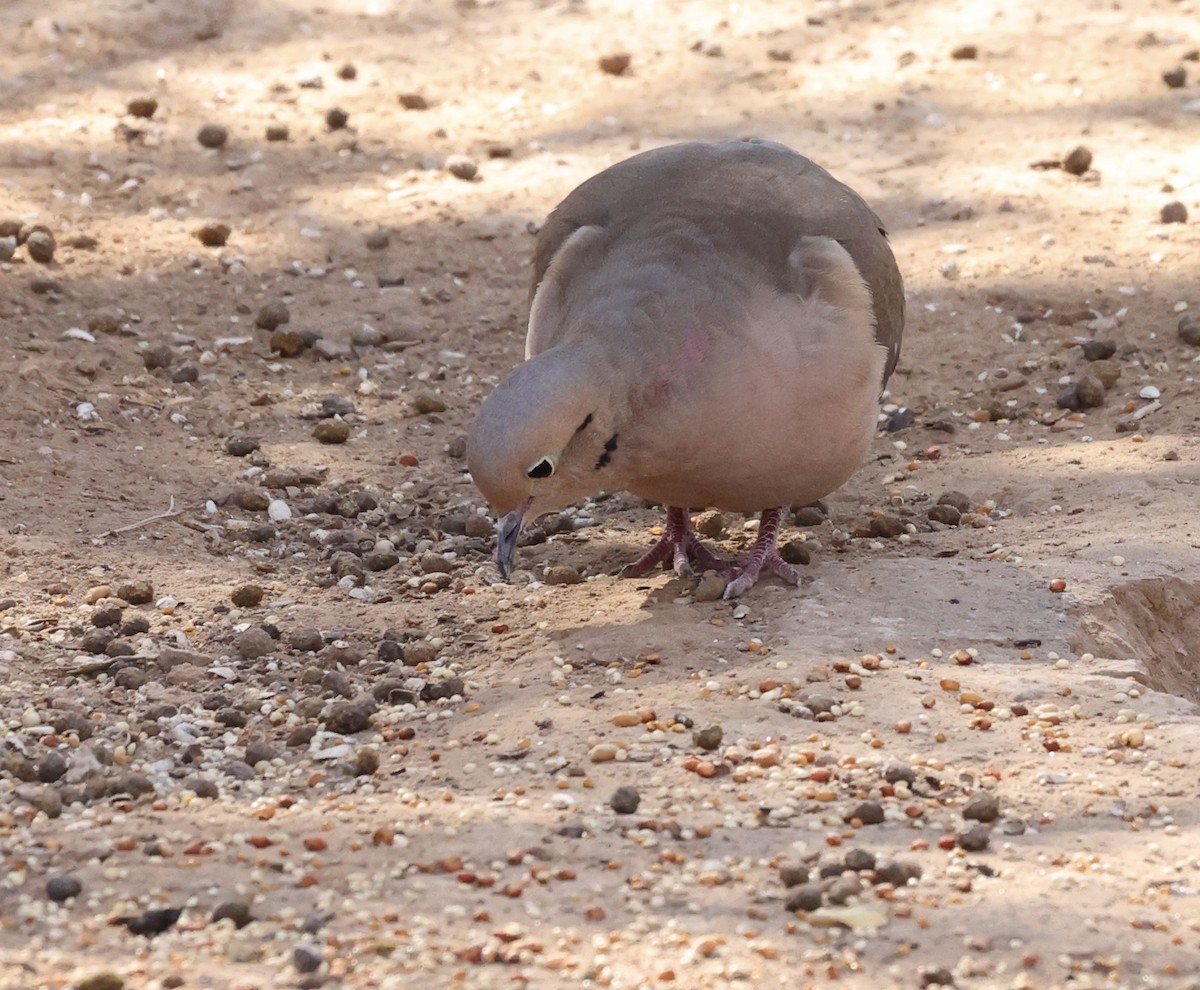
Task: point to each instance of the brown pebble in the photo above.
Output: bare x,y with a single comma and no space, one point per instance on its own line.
157,356
796,551
246,595
886,527
41,246
974,839
288,343
708,738
241,446
413,101
805,897
212,135
616,64
254,643
142,106
462,167
378,240
1077,161
214,234
366,761
1175,78
426,402
983,807
945,514
278,132
101,981
336,118
1173,212
1189,329
562,574
351,717
272,315
965,52
331,431
348,71
710,589
625,800
867,812
711,524
1058,586
793,874
1107,371
139,592
1098,350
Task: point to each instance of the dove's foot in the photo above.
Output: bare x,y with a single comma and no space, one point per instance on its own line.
763,556
681,545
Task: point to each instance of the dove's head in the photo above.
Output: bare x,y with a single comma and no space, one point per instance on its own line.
540,442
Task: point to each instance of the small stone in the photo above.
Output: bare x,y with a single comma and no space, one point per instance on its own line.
352,717
413,101
1098,350
60,889
306,958
260,751
337,682
107,320
51,767
304,640
959,500
810,515
937,976
214,234
212,135
435,563
462,167
843,889
110,615
947,515
142,106
185,374
710,589
616,64
974,839
378,240
859,859
348,71
1173,212
806,897
247,595
43,797
884,526
277,132
965,52
710,524
381,560
897,872
426,402
101,981
236,911
793,874
366,761
625,800
43,285
868,812
272,315
983,807
40,245
288,343
138,592
241,446
336,118
254,643
1077,161
562,574
1175,78
446,687
415,654
1189,329
708,738
331,431
1090,391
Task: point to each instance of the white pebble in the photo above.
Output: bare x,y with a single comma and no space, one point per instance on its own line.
278,510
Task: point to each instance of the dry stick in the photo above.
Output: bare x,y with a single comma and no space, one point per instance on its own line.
171,512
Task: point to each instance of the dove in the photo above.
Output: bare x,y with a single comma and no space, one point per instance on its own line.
711,325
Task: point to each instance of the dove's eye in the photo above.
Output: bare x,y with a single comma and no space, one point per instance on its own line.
541,469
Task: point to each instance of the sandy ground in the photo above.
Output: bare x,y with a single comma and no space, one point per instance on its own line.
391,773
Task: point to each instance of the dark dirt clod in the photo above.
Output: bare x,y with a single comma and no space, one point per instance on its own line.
616,64
142,106
1175,78
41,246
63,888
212,135
1077,161
1173,212
214,234
1098,350
336,118
625,800
1189,329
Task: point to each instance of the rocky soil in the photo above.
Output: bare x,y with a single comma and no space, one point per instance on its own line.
267,719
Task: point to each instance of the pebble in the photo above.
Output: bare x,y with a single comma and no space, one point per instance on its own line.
241,446
336,118
247,595
708,738
806,897
60,889
272,315
796,551
843,889
1173,212
886,527
965,52
306,958
101,981
562,574
140,592
42,797
897,872
462,167
625,800
711,524
185,374
860,859
937,976
415,654
331,431
948,515
413,101
212,135
602,753
236,911
974,839
213,234
1189,329
810,515
867,812
1109,372
305,639
793,874
616,64
1086,393
426,402
351,717
710,589
142,106
1098,350
40,245
288,343
983,807
1077,161
260,751
254,643
1175,78
347,70
277,132
51,767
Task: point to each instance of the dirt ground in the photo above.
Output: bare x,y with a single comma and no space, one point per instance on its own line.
255,669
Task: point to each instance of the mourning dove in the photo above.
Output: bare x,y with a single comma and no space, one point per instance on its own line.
711,325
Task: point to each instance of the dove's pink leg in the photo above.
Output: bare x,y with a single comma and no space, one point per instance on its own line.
763,554
680,544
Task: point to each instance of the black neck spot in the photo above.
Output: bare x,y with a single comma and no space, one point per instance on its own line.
610,448
587,421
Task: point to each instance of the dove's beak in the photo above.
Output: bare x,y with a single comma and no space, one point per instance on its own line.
507,533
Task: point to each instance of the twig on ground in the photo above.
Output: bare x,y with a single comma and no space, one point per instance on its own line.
168,514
